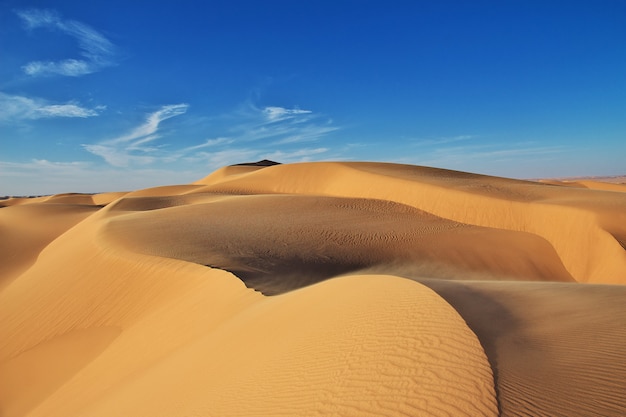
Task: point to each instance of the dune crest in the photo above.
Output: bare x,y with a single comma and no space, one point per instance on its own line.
580,224
321,237
299,365
27,229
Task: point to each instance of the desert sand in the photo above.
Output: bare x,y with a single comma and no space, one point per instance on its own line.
327,288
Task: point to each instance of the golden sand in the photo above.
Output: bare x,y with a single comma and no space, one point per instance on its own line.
346,289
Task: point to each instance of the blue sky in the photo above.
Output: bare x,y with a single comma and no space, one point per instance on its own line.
120,95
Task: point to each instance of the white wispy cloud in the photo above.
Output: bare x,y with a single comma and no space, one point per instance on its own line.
275,114
118,157
305,134
68,110
229,156
208,143
298,155
15,108
151,125
130,148
256,133
497,158
219,158
495,152
443,140
270,132
95,50
281,125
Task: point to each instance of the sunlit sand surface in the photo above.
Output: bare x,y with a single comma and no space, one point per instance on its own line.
345,289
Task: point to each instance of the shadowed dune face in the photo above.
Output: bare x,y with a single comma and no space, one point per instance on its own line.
555,349
133,303
316,238
576,222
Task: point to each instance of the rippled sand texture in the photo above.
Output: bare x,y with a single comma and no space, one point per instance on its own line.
347,289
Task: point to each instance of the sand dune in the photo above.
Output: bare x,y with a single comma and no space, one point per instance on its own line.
27,229
572,221
555,348
281,357
316,289
616,183
599,185
321,237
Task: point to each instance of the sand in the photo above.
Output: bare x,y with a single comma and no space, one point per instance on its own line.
346,289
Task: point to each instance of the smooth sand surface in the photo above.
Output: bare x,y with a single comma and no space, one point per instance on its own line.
616,183
324,289
27,229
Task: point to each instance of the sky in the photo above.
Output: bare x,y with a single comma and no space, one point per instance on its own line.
121,95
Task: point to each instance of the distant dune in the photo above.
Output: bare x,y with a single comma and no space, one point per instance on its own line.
346,289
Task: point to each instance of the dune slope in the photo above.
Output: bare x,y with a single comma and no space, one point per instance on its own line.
330,349
117,328
585,227
555,348
27,229
320,237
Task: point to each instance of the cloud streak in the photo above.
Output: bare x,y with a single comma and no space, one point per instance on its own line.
208,143
95,50
130,148
298,155
444,140
493,158
276,114
15,108
151,125
275,131
281,125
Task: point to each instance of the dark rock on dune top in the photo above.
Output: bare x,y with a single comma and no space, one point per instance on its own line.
263,163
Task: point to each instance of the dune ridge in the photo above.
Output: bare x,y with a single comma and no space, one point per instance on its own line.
560,215
315,288
307,367
321,237
80,308
98,287
27,229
